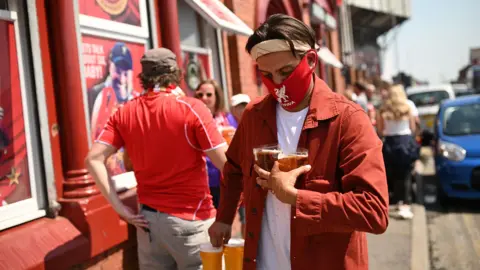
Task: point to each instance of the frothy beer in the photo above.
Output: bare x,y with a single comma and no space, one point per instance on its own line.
228,133
291,162
211,257
265,158
234,254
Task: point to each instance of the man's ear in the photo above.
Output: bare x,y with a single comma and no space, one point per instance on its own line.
312,58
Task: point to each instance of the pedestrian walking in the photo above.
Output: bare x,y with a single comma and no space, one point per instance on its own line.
166,136
396,124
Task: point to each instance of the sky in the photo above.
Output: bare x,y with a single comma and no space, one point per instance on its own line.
434,44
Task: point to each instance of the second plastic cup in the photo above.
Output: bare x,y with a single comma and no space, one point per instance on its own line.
234,254
211,257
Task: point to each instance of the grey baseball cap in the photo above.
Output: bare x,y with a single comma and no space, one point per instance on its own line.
158,61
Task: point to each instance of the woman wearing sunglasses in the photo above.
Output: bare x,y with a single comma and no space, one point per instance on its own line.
210,93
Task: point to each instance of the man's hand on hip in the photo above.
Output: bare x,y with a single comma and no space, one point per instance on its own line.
136,220
219,233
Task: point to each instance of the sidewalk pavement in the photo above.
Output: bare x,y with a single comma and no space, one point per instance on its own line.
404,246
392,249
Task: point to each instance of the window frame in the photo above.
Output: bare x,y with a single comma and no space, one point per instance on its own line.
28,209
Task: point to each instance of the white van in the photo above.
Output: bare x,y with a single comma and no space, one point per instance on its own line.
427,98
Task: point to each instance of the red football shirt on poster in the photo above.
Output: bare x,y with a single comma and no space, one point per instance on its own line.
166,137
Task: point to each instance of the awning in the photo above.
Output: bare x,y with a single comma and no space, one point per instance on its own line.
218,15
321,12
328,57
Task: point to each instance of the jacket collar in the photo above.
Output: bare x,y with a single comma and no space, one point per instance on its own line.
322,106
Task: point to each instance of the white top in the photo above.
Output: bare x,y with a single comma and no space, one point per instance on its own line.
274,247
413,108
397,127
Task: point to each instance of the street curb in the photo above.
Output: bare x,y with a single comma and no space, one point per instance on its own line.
419,257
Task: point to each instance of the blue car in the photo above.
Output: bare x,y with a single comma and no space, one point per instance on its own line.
457,153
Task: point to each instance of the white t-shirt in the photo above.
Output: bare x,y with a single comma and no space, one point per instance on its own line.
397,127
274,248
413,108
400,127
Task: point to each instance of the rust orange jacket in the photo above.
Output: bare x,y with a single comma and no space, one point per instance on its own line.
343,196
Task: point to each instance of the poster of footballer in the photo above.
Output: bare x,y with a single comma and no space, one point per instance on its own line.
197,65
122,11
111,68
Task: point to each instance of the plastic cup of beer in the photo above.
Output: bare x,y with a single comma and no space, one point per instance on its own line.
233,253
227,133
211,257
266,155
291,161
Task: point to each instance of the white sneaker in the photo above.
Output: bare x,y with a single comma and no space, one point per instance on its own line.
405,212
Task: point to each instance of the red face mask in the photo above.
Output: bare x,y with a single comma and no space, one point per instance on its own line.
293,89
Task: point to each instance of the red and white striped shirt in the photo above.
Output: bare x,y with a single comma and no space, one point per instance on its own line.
166,137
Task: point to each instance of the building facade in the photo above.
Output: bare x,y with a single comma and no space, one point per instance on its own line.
69,65
362,23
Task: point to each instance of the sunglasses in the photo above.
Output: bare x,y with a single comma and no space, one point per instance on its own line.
200,95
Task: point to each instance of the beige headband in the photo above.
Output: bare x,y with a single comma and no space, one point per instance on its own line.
277,45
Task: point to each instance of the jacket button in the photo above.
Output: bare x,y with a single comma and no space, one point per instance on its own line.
254,211
250,234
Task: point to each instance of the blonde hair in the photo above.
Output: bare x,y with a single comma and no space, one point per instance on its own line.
396,106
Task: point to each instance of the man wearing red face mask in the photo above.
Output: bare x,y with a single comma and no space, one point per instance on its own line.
314,216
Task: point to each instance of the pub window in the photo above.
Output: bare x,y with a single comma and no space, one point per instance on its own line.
21,194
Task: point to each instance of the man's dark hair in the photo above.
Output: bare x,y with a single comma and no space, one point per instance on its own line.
281,26
162,80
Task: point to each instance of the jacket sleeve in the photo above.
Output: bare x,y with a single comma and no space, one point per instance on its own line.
363,203
231,185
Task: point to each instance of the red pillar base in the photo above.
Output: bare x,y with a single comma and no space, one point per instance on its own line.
97,220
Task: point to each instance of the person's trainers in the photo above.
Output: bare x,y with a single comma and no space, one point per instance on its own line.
405,212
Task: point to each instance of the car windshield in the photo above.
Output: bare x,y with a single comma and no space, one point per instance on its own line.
428,98
461,120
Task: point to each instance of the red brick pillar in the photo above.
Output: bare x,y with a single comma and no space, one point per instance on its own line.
69,93
170,32
168,12
81,202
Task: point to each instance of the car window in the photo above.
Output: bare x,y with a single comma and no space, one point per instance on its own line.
464,92
428,98
461,120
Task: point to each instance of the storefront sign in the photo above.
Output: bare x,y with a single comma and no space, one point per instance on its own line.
122,11
15,182
111,68
197,65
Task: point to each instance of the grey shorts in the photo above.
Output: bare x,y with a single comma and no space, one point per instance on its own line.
171,243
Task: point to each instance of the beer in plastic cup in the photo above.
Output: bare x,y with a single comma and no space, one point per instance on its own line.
227,133
288,162
233,252
266,155
211,257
